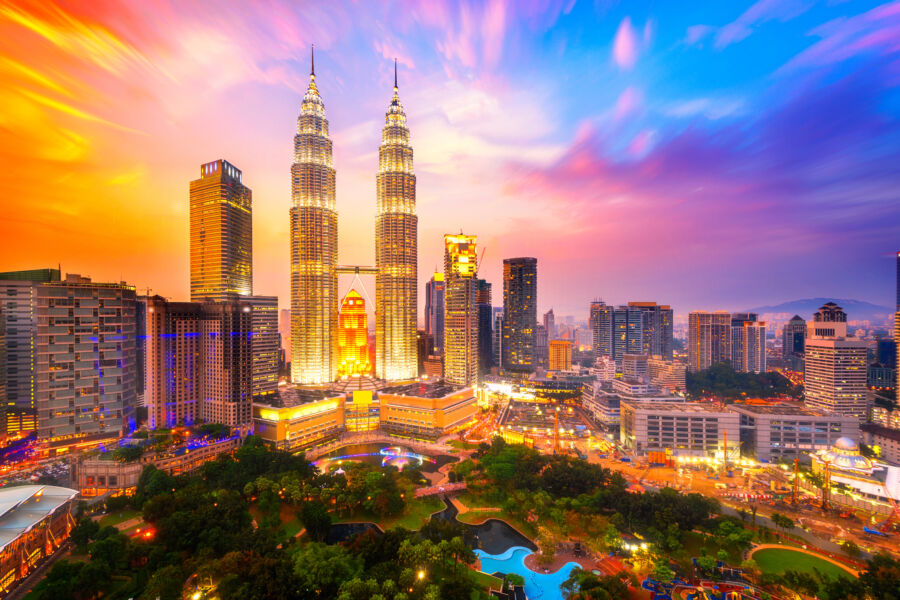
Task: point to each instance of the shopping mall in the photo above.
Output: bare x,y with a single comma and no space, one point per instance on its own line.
301,417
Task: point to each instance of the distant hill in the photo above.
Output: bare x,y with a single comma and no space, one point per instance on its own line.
857,310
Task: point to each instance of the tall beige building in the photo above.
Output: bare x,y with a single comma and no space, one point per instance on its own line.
314,237
709,339
835,365
396,243
221,233
460,313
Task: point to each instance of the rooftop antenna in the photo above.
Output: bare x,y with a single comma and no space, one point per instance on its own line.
312,60
395,73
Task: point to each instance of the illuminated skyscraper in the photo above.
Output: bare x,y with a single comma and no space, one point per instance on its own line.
353,337
434,310
395,249
198,362
709,339
485,327
85,367
460,314
835,365
519,314
314,238
221,234
18,303
264,344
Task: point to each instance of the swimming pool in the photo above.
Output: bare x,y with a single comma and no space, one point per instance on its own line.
538,586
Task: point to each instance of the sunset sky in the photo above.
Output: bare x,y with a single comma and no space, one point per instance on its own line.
706,155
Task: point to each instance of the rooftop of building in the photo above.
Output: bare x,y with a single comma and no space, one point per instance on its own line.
32,275
292,395
22,507
782,408
422,389
881,431
681,407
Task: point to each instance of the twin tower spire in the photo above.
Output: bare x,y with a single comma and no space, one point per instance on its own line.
314,249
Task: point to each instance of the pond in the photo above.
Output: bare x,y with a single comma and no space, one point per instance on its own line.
494,536
383,455
538,586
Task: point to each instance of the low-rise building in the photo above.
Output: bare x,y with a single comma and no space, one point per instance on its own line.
684,428
886,417
790,430
101,474
298,418
603,398
667,374
35,521
884,441
302,418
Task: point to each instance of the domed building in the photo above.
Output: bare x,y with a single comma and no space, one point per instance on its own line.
870,479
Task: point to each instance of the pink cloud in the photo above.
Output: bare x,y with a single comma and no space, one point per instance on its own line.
625,48
641,143
696,33
493,28
629,101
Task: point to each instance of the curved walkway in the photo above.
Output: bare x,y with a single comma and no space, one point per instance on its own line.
837,563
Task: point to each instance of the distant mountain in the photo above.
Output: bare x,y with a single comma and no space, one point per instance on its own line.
857,310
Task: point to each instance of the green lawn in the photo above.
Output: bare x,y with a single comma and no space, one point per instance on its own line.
289,529
462,445
120,516
486,581
416,514
778,560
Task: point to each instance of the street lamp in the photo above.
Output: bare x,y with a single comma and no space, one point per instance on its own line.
421,574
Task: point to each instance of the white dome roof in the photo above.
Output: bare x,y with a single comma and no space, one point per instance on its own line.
846,443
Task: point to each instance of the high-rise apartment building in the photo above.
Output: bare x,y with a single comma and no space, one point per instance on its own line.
498,335
550,324
198,363
739,358
560,355
460,314
541,346
3,405
265,344
753,351
519,314
434,310
353,337
835,364
221,233
86,362
792,340
656,328
18,303
638,328
601,322
396,243
709,339
314,237
485,327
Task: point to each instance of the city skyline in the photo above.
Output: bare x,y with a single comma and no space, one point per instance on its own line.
641,116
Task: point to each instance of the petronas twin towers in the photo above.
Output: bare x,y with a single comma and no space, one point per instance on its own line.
314,248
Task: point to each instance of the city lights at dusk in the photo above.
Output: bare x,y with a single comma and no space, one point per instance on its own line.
449,300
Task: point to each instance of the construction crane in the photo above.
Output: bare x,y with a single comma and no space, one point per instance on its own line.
795,487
